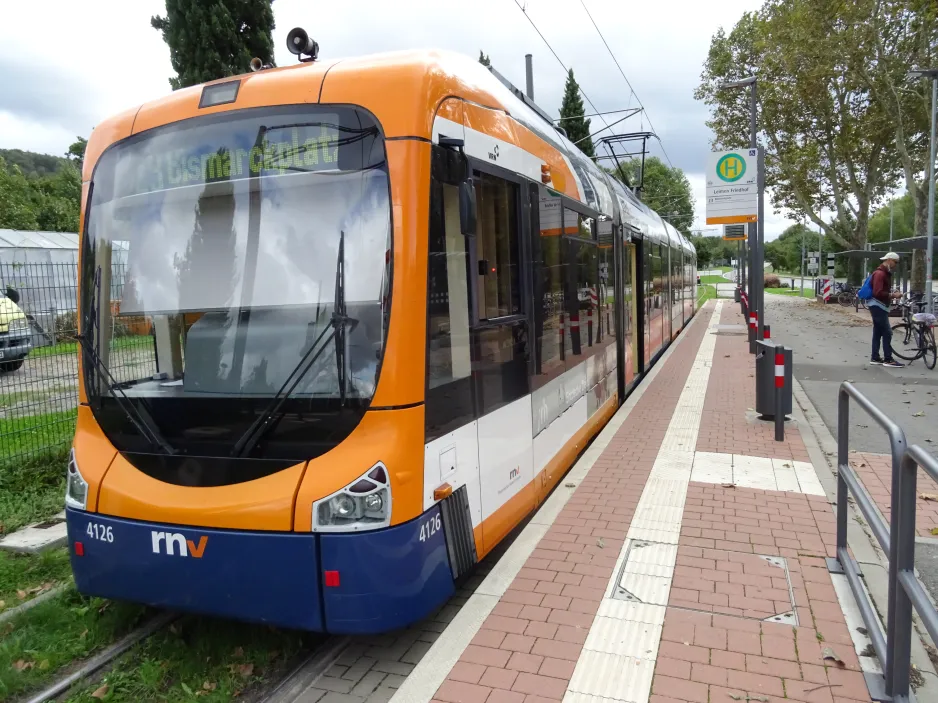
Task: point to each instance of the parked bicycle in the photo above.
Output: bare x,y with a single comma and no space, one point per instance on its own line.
847,295
914,337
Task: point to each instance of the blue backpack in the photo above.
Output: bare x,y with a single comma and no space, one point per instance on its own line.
866,290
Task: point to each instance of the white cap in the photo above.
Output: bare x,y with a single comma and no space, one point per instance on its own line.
891,256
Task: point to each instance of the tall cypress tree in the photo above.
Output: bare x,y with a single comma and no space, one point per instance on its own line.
210,39
572,120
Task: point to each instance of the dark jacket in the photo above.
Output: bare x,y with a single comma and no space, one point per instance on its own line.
881,283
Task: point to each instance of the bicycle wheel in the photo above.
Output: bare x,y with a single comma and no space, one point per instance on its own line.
846,298
930,352
905,342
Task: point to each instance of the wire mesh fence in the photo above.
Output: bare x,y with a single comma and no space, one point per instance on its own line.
39,357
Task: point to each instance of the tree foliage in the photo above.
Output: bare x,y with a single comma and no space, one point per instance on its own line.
711,250
826,141
484,59
213,39
49,203
76,152
572,117
32,165
666,189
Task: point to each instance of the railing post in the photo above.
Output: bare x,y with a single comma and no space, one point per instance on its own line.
899,642
897,450
843,444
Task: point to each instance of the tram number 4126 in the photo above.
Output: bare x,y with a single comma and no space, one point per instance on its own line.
430,527
100,532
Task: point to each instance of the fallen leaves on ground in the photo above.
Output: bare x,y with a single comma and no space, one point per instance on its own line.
928,496
101,691
23,665
920,413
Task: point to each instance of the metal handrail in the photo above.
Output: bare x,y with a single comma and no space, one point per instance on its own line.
897,539
912,594
886,535
847,480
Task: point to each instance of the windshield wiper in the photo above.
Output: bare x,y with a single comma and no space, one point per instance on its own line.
137,415
337,323
340,319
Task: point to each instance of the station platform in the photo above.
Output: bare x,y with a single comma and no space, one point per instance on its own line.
681,559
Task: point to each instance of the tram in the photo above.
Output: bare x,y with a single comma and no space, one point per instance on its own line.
344,324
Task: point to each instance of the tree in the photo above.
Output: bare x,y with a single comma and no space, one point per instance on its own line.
572,117
76,152
666,189
17,206
826,142
901,34
32,164
209,40
484,59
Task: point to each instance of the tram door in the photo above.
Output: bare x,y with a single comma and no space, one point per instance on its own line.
500,361
451,453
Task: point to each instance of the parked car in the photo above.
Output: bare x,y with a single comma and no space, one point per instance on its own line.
15,336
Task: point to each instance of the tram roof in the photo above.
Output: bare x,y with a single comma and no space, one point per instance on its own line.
414,83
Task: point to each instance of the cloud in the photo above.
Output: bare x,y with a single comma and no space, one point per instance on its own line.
111,58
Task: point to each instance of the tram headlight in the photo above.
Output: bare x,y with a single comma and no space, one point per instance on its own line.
76,488
364,504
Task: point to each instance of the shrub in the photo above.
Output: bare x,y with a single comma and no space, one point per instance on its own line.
771,281
66,326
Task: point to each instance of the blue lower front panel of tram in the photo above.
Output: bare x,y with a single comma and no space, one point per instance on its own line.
386,579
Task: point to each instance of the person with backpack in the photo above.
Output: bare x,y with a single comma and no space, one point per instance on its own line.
877,289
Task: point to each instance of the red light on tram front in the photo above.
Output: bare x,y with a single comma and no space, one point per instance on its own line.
332,579
79,549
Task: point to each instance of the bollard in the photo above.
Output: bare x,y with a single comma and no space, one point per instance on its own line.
753,330
766,332
779,386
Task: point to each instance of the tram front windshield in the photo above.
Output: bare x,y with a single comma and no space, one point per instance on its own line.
219,255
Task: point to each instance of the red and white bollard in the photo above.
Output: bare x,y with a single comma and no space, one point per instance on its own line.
779,396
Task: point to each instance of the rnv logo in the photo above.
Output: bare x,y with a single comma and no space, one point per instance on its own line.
175,543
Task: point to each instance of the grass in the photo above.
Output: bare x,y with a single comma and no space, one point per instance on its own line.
25,575
67,348
39,642
214,660
714,279
705,293
31,490
794,293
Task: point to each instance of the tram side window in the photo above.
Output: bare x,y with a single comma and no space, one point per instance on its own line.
553,274
497,242
449,364
583,265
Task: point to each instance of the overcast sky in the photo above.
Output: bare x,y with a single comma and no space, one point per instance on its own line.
110,59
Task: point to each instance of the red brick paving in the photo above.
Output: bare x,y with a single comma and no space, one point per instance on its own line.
731,651
875,472
715,648
724,426
528,646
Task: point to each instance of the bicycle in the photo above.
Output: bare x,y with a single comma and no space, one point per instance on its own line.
847,295
914,337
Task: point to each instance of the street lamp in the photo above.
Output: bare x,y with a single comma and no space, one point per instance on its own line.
757,246
930,247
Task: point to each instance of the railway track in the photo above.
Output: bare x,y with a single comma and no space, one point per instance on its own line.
307,672
98,662
308,668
